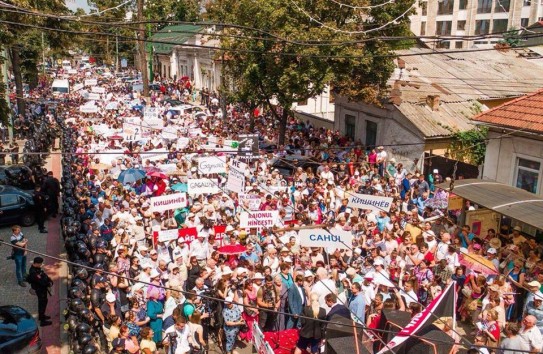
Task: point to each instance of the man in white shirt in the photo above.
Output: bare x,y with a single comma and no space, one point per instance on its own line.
199,249
443,246
323,286
176,337
531,334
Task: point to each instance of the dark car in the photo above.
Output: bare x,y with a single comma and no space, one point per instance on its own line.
19,332
17,176
16,207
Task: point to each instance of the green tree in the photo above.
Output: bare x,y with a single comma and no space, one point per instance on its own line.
470,146
282,53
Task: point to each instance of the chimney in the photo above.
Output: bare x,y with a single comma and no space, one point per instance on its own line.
433,102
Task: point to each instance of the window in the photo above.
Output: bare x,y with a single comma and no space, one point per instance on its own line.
350,125
424,8
371,133
460,25
484,6
302,103
526,3
527,175
482,27
499,26
423,28
524,22
9,200
463,4
445,7
443,28
502,5
458,45
443,44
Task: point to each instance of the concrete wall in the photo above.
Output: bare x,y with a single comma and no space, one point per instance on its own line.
502,156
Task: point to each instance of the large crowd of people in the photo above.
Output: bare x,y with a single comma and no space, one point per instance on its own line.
139,291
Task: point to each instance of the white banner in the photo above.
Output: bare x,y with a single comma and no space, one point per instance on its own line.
131,132
236,177
212,164
182,143
155,155
97,89
261,346
168,167
112,106
88,109
168,202
152,124
371,202
250,201
91,82
150,113
333,239
202,186
94,96
169,132
168,235
257,219
77,87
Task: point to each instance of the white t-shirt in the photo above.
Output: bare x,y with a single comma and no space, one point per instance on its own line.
323,288
182,338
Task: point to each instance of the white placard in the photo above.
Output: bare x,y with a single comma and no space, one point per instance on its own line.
168,202
77,87
202,186
371,202
91,82
150,113
236,177
169,132
212,164
333,239
97,89
131,132
257,219
250,201
88,109
155,155
155,124
182,143
168,167
72,71
112,106
168,235
93,96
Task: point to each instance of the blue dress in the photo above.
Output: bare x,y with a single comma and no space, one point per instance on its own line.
231,315
155,308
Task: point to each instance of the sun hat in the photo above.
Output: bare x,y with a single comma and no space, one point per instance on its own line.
308,273
154,274
258,276
495,243
491,250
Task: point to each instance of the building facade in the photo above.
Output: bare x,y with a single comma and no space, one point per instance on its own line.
472,18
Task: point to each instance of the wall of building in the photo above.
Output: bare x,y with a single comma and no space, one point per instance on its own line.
502,159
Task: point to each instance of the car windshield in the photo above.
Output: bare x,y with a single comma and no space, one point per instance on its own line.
7,321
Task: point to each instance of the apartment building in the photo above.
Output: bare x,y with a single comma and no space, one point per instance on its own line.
472,17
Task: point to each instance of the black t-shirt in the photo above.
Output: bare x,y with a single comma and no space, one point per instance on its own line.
97,297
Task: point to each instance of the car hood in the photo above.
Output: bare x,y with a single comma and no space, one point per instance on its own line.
15,321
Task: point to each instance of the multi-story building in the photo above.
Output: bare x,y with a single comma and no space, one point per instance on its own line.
472,18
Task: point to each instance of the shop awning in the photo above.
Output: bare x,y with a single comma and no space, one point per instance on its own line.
513,202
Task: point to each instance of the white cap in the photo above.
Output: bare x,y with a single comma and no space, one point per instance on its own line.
145,265
229,298
308,273
242,270
154,274
288,259
229,228
491,251
138,286
226,271
110,297
258,275
378,261
436,171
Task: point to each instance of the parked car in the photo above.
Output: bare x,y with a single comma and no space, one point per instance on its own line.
19,176
16,207
19,333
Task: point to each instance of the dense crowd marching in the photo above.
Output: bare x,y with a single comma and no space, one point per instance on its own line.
138,293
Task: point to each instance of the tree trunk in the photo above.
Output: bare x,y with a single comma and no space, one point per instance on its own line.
16,63
252,117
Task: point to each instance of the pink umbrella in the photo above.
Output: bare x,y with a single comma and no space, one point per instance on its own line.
115,137
157,174
231,249
478,263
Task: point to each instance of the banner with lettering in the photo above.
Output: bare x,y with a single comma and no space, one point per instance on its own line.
219,233
168,202
258,219
443,307
236,176
202,186
187,235
333,239
371,202
212,164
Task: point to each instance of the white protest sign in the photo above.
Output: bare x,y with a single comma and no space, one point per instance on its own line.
212,164
97,89
155,155
195,132
168,235
88,109
155,123
371,202
150,113
109,156
131,132
169,132
112,106
202,186
257,219
91,82
77,87
72,71
168,167
333,239
182,143
168,202
236,177
250,201
93,96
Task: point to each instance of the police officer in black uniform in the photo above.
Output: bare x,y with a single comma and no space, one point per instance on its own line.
40,283
51,188
40,205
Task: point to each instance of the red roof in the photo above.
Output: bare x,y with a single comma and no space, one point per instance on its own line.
524,113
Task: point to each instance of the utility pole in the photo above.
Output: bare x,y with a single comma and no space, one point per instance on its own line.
141,47
43,53
117,50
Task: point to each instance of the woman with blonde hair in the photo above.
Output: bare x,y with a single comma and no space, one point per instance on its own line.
312,330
